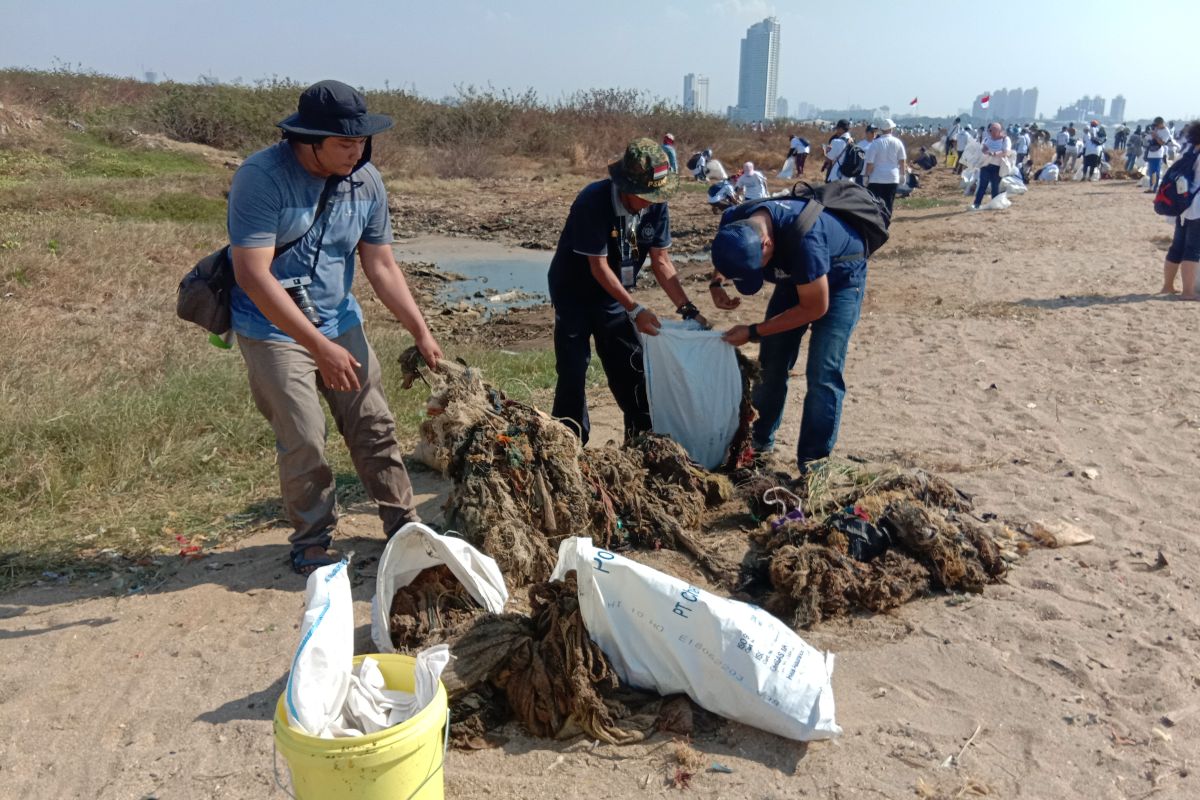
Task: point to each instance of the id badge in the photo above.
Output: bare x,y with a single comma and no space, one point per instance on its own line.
627,276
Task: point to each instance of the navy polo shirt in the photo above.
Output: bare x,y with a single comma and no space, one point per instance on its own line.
599,225
829,249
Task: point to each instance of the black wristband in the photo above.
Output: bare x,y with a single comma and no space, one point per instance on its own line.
688,310
755,336
716,284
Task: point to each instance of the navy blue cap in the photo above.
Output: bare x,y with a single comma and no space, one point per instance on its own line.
737,254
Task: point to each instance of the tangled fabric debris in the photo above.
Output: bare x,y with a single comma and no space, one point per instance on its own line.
523,483
849,539
875,544
542,670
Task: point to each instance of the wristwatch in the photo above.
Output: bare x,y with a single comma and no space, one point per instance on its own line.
688,311
716,283
754,334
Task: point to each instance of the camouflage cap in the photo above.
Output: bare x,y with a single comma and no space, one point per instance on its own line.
645,171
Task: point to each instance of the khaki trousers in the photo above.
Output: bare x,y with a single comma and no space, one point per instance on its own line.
287,388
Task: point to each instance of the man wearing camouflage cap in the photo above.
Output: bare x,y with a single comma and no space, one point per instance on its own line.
613,225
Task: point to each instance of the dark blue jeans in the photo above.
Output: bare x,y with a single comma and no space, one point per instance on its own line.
988,176
620,351
826,359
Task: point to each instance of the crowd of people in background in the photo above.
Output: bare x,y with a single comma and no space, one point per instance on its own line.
880,162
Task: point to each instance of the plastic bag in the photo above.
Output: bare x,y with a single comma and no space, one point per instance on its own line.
973,154
320,677
416,547
1049,173
716,171
694,389
1013,185
731,658
789,169
1078,176
998,203
372,707
1144,182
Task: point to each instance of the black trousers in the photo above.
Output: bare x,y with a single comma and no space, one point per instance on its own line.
885,192
576,323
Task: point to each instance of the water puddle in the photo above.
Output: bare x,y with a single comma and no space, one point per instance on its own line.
495,275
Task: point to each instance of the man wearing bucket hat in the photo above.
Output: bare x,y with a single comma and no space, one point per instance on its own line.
613,226
300,212
819,282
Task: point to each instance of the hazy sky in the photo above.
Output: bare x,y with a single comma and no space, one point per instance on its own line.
943,53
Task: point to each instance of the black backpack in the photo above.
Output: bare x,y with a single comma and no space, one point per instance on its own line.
693,161
853,159
1175,192
865,213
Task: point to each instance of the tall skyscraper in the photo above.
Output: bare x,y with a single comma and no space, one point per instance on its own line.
758,77
781,108
1117,111
1028,111
695,92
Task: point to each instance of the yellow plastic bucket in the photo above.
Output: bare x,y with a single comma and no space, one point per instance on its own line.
403,762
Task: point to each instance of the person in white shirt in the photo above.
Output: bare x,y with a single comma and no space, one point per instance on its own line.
1023,146
887,164
1060,146
964,138
1156,148
798,150
700,171
869,134
1093,147
996,148
1184,255
752,184
722,195
836,149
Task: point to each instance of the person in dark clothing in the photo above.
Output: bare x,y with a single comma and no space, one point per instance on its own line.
819,284
613,226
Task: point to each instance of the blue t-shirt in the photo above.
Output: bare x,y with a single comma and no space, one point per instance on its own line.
599,225
273,200
669,149
828,249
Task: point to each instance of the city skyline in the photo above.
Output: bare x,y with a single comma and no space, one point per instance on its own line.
558,56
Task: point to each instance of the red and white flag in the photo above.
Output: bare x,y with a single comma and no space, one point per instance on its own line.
912,102
983,101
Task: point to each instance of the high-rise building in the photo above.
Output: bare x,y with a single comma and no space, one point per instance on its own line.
695,92
781,108
1117,111
1028,110
758,77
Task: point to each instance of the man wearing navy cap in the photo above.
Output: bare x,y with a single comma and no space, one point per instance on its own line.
819,281
614,225
300,211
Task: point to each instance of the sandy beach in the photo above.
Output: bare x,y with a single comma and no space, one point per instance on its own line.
1023,355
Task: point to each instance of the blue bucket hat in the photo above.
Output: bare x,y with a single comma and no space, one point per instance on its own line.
332,108
737,254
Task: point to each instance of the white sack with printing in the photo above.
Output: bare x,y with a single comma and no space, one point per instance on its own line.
733,659
320,676
694,389
325,695
416,547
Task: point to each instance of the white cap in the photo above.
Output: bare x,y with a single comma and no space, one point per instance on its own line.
887,125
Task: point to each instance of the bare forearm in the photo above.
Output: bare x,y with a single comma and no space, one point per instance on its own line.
392,289
668,279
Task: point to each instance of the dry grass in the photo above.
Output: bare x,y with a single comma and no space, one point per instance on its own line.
120,427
